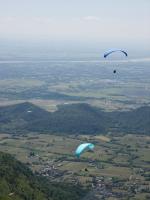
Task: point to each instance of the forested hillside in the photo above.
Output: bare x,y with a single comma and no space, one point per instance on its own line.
73,119
17,182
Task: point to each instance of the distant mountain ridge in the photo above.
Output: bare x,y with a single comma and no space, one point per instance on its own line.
73,119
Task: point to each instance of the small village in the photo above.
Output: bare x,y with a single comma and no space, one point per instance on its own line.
102,187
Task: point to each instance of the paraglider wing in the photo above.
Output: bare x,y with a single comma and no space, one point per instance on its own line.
114,50
82,147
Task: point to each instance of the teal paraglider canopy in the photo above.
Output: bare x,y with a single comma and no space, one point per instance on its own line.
114,50
83,147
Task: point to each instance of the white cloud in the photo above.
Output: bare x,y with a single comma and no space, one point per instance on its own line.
87,27
42,20
91,18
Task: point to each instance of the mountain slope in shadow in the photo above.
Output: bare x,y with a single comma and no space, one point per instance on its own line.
73,119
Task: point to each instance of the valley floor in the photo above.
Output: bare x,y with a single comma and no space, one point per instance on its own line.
119,167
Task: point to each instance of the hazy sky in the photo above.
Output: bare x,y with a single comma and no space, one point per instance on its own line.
88,20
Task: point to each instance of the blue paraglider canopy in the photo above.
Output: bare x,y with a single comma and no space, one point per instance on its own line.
82,147
114,50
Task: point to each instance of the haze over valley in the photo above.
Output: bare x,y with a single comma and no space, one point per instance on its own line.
75,100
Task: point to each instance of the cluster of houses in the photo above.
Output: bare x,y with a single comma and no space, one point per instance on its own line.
104,187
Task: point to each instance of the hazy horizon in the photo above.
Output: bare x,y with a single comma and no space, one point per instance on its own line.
97,20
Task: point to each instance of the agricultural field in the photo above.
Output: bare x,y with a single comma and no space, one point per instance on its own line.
120,162
67,81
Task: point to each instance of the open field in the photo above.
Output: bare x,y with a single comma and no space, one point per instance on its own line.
124,159
49,83
113,156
